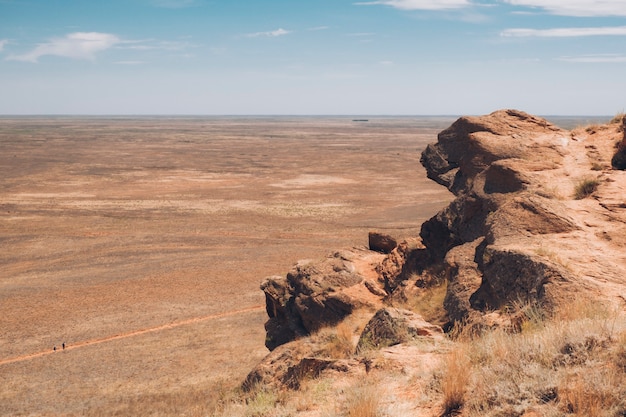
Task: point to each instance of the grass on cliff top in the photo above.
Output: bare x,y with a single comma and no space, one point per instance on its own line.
571,364
574,364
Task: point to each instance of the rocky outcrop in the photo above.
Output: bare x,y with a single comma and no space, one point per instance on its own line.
318,294
619,159
514,235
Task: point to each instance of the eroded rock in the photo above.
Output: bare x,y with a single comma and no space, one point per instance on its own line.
392,326
317,294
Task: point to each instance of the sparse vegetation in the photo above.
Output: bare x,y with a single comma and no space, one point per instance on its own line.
594,128
337,342
363,400
618,118
563,365
585,188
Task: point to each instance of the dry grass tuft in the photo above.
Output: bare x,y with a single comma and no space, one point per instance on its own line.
618,118
429,303
363,401
585,188
454,382
337,342
594,394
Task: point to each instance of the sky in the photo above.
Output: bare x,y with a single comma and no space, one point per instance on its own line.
312,57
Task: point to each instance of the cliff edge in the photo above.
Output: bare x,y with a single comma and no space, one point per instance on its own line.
538,219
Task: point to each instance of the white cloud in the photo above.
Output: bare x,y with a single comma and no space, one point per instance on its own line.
580,8
596,59
174,4
565,32
270,34
78,45
420,4
3,42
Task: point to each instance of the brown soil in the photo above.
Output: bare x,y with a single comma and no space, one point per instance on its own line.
140,243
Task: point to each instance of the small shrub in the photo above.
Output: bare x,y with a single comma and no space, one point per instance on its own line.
585,188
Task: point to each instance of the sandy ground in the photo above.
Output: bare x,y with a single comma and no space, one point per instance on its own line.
141,243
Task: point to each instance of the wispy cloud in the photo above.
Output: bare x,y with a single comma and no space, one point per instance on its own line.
596,59
129,62
78,45
175,4
3,42
270,34
153,44
420,4
579,8
565,32
361,34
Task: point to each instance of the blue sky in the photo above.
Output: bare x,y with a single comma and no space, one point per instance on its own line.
405,57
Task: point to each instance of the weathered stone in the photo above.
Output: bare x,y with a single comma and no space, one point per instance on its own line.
314,295
381,242
391,326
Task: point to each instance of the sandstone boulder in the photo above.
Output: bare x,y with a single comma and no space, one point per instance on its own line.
381,242
318,294
292,363
391,326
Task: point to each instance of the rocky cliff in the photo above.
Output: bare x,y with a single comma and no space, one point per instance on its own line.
539,219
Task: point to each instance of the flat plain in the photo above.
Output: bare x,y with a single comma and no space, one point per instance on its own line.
140,243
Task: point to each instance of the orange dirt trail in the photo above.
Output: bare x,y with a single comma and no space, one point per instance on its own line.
134,333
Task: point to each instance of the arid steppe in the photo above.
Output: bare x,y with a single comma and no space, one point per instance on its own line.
140,244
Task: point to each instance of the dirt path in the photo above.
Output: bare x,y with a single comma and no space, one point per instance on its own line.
132,334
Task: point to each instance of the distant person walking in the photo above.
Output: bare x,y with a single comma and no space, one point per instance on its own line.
63,345
54,348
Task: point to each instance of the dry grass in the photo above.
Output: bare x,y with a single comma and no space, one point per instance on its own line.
564,364
363,400
618,118
339,341
454,382
428,303
585,188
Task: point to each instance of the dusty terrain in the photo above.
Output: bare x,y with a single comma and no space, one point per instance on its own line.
141,243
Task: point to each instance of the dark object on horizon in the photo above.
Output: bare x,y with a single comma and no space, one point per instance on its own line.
63,345
54,348
360,120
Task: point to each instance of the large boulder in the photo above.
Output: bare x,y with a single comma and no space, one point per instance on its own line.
381,242
392,326
318,294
